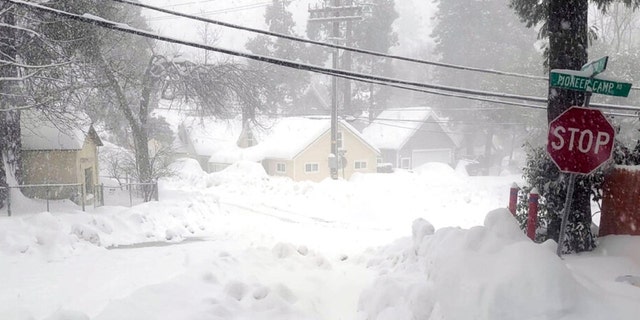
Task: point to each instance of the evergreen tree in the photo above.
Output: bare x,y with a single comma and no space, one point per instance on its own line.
375,32
485,34
284,86
565,23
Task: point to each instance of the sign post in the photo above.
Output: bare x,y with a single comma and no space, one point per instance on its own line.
580,140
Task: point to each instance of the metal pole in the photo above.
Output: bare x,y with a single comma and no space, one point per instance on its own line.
587,98
565,212
130,195
570,188
48,196
334,98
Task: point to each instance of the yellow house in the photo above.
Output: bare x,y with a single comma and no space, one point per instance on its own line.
58,155
299,148
294,147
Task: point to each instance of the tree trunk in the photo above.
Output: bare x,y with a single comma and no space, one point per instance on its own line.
137,122
10,143
568,50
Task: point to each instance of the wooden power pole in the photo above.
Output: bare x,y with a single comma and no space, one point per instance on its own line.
336,14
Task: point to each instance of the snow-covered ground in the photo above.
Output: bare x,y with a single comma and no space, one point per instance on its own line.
238,244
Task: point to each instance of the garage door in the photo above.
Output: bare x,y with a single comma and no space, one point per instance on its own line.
420,157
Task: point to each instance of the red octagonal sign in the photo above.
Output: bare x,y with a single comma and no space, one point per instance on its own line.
580,140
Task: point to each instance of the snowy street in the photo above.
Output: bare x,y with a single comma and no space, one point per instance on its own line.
241,245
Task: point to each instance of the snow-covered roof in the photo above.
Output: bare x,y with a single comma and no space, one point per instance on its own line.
38,133
395,126
209,135
282,138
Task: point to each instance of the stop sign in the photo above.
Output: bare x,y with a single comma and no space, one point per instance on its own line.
580,140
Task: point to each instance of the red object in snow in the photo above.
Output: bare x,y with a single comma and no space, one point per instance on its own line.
621,202
513,198
532,220
580,140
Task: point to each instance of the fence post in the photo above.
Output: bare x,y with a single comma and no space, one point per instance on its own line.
102,194
9,201
157,192
532,220
82,195
513,198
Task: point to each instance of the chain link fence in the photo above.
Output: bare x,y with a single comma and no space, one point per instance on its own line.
126,194
57,197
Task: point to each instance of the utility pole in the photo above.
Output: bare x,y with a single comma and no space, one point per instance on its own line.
335,14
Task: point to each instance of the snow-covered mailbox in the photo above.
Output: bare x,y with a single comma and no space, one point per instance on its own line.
62,155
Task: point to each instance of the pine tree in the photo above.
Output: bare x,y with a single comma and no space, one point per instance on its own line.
485,34
285,86
375,32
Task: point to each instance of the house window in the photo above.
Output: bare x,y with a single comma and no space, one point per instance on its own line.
339,140
251,141
405,163
360,165
311,168
281,168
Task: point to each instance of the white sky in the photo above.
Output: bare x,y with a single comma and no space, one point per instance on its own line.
413,25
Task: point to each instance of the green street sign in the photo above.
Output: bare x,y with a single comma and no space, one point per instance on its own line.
574,80
596,67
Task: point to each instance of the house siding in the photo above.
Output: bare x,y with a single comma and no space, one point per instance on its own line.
59,167
270,168
429,137
318,152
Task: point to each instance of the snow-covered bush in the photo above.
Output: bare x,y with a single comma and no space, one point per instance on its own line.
540,172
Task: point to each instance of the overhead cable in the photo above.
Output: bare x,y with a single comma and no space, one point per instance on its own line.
329,45
100,22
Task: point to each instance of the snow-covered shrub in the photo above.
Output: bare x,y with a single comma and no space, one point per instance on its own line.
540,172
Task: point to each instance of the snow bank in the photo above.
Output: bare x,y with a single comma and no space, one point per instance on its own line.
486,272
59,235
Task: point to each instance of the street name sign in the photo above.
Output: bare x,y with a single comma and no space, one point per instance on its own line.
580,140
575,80
597,66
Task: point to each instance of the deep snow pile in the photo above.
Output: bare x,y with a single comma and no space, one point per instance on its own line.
493,272
239,244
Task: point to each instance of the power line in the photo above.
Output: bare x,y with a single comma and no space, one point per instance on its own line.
285,63
218,11
97,21
445,121
330,45
187,3
337,46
